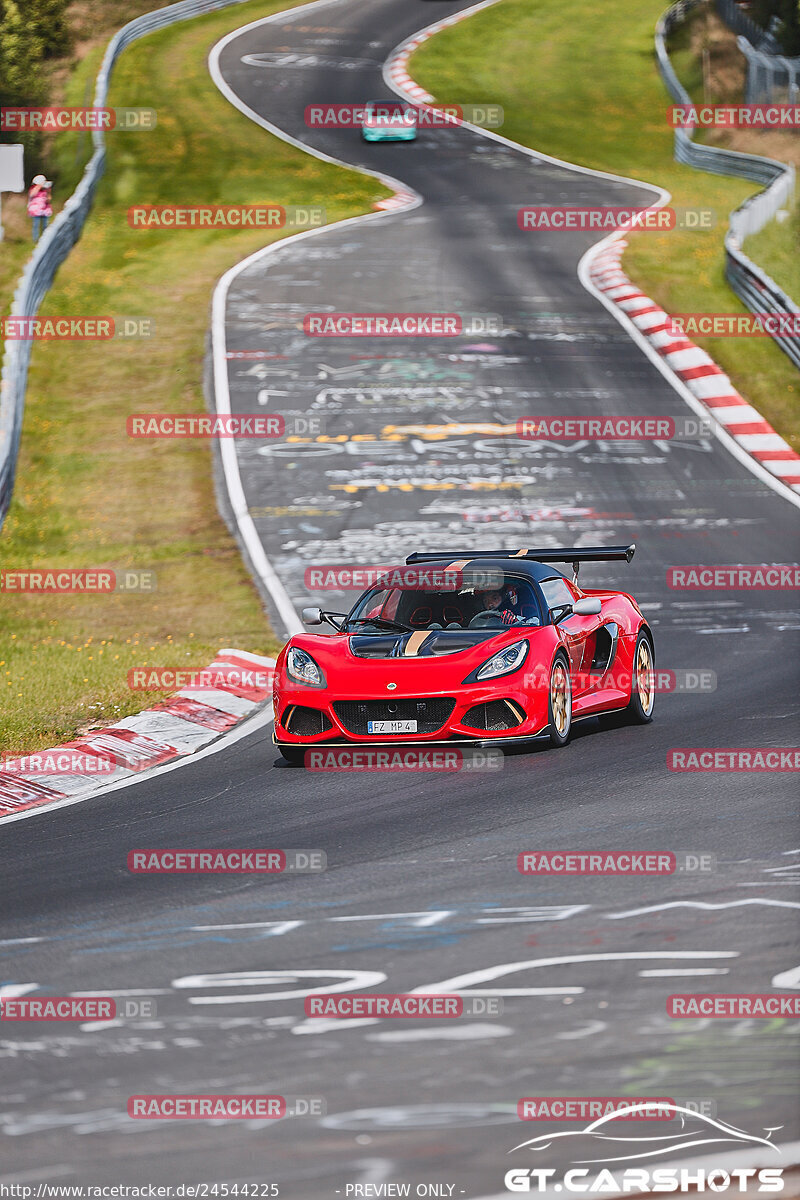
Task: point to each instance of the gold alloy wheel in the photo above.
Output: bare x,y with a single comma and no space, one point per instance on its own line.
559,698
644,677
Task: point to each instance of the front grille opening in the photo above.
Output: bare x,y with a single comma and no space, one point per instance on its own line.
430,713
305,722
494,715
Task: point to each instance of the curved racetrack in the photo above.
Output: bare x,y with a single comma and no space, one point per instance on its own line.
421,883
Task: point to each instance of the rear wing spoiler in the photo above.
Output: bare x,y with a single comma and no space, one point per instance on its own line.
575,556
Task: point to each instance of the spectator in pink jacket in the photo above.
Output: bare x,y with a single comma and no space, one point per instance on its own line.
40,209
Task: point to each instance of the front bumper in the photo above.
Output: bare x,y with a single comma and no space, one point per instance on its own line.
506,703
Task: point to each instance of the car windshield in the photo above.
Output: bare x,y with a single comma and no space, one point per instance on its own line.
390,112
430,596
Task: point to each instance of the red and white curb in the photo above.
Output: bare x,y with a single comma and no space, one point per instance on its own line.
696,369
175,728
398,200
396,67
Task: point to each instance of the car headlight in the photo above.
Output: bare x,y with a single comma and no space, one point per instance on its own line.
301,668
504,662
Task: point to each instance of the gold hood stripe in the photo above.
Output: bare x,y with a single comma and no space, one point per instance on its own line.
415,642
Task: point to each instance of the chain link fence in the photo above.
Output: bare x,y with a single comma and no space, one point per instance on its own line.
61,235
754,288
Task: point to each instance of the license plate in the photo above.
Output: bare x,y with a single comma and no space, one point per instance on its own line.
391,726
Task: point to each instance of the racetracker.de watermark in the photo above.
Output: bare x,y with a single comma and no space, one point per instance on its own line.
665,681
75,329
765,1004
610,428
394,112
252,861
347,577
231,425
422,324
225,216
58,1008
613,862
224,676
59,119
734,758
365,758
421,1005
221,1107
720,324
58,762
761,577
734,116
549,218
80,580
589,1108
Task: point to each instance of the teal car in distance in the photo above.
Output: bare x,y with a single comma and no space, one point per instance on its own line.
389,121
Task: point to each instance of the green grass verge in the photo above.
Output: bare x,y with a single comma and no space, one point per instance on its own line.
571,90
87,495
776,249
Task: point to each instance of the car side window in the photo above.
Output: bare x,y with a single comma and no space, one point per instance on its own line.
556,594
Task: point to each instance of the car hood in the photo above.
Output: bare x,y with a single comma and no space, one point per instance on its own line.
360,664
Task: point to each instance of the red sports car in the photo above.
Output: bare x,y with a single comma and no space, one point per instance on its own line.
482,648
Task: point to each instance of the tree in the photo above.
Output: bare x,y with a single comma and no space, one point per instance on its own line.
48,20
789,27
21,80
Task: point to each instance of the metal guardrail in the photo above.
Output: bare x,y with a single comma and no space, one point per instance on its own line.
770,74
738,20
62,234
771,78
753,286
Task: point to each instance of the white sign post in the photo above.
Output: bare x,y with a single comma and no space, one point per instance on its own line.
12,176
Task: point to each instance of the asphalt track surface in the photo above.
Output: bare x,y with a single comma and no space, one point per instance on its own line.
421,885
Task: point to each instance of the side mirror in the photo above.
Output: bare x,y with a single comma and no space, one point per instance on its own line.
313,616
589,606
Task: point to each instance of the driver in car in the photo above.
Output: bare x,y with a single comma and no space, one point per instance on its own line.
501,601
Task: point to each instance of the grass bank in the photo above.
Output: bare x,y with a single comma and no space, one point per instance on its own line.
86,495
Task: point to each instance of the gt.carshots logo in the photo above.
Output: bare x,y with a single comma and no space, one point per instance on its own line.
691,1128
